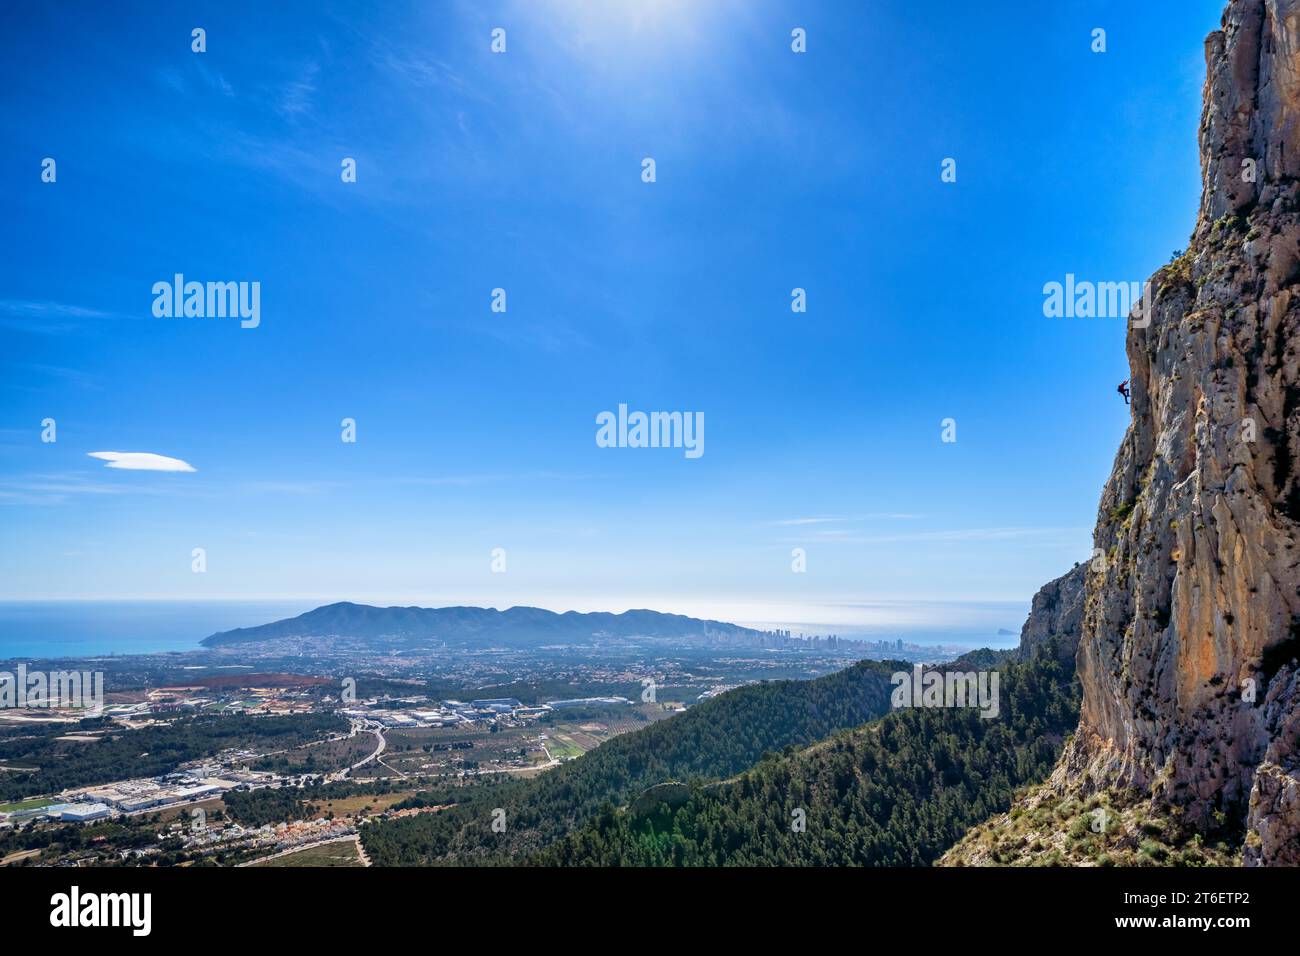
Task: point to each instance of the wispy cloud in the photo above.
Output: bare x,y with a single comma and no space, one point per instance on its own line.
298,93
215,81
65,376
553,337
49,317
469,480
175,81
953,535
59,488
141,461
418,69
51,489
172,80
846,519
289,487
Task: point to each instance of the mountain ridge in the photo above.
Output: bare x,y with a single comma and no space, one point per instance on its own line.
517,625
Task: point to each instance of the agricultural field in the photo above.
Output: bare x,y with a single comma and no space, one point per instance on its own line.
349,807
185,812
522,750
322,757
566,744
447,751
338,853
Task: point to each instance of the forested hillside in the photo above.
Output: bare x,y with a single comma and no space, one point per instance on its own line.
897,792
715,739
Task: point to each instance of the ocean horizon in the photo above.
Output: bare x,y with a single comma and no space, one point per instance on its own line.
93,628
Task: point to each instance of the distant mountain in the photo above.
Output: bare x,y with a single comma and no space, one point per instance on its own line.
517,626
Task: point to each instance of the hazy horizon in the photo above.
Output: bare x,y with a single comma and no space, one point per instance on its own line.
71,628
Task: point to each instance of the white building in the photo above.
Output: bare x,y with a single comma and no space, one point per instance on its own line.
83,812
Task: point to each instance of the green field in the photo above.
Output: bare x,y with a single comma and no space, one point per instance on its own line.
563,746
27,805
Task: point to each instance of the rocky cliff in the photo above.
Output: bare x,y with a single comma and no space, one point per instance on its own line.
1056,612
1190,723
1190,624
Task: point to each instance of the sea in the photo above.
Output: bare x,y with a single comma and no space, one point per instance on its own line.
34,629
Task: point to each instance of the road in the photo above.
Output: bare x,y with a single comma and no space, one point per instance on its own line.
380,746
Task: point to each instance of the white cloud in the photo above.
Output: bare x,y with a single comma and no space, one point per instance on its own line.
141,461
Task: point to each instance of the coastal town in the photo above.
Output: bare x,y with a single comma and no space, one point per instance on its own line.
235,754
384,749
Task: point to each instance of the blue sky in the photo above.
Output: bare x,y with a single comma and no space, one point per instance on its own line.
523,171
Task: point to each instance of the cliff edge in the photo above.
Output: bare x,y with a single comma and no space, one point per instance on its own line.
1191,613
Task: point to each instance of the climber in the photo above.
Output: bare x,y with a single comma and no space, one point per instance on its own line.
1123,390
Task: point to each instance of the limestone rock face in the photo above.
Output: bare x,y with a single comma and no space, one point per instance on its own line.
1191,622
1057,611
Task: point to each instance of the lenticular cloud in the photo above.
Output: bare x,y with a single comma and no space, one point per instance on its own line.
141,461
